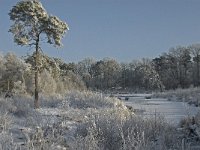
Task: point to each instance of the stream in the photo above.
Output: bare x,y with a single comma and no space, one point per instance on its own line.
172,111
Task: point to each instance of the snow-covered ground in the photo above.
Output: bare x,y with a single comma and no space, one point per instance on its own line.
84,120
54,124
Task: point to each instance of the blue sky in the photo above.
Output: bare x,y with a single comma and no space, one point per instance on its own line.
119,29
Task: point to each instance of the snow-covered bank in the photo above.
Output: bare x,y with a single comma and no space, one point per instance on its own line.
82,121
190,95
54,124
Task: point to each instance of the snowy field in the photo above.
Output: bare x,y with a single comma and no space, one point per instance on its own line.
91,121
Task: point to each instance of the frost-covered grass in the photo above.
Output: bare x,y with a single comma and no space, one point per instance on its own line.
81,120
114,132
22,127
190,95
83,100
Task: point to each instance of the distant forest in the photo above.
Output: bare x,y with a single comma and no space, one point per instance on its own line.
178,68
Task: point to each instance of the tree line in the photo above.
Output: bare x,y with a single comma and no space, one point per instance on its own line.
55,77
177,68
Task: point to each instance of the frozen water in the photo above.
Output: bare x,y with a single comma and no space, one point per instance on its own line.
173,111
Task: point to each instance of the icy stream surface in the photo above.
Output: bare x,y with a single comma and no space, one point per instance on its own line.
173,111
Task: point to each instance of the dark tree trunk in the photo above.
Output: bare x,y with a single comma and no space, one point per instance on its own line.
198,82
36,101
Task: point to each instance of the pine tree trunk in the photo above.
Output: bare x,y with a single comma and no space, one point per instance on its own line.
36,101
8,85
198,82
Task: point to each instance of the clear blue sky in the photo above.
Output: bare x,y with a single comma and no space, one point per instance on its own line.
120,29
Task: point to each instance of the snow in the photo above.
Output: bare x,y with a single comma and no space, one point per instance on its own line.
64,119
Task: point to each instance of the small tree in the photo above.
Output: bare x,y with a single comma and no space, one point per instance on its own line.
31,22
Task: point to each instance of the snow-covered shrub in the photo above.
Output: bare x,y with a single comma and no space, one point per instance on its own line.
89,142
51,101
109,131
37,139
24,106
83,100
188,121
6,105
6,142
6,139
5,121
12,77
47,83
19,88
72,81
190,130
190,95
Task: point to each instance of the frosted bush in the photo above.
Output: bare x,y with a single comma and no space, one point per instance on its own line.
83,100
47,83
20,106
23,105
51,101
19,88
5,122
6,142
190,95
6,105
109,131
